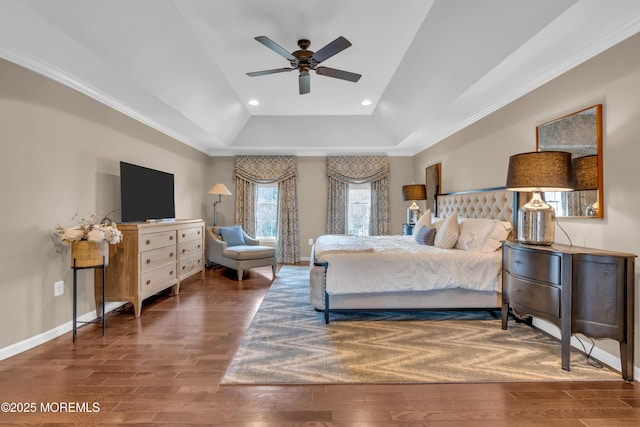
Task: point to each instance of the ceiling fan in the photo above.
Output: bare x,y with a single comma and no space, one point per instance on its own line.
305,60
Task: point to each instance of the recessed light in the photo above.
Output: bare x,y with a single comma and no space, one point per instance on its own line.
366,102
254,102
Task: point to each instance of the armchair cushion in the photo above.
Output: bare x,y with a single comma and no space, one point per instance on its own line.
241,252
233,236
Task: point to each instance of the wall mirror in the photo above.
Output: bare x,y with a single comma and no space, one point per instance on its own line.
432,183
580,134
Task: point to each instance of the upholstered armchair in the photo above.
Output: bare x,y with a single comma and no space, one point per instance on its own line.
233,248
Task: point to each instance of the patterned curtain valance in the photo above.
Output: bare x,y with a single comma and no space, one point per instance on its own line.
358,169
265,169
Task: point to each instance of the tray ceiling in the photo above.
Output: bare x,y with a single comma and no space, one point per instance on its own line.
428,67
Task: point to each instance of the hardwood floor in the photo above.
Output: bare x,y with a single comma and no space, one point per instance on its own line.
165,368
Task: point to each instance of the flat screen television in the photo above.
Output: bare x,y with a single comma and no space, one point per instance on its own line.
146,194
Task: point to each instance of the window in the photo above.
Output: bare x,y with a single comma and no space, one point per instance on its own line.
554,199
359,209
266,211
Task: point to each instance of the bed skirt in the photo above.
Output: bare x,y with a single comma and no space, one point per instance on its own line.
442,299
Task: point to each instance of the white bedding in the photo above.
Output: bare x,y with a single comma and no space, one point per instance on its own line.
398,263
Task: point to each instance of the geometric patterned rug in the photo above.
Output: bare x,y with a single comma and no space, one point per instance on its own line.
289,343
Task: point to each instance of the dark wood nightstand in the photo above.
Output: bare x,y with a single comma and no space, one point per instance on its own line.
583,290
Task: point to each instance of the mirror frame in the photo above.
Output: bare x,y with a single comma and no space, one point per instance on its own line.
568,133
432,184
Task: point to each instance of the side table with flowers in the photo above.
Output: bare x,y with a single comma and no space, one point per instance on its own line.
89,241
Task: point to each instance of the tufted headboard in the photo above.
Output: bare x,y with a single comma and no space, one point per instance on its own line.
494,203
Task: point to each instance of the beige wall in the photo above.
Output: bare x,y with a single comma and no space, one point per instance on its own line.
478,155
60,156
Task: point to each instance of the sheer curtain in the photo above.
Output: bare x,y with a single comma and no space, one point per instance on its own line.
252,170
345,170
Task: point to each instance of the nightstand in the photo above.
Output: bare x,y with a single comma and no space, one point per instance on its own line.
407,229
583,290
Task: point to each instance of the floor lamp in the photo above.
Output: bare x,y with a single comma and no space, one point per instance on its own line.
220,190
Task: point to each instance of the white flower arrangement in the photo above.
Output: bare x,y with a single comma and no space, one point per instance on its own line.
91,230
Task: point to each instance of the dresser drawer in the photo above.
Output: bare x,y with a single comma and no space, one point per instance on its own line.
156,280
190,248
192,233
536,296
148,261
157,240
540,266
157,257
191,264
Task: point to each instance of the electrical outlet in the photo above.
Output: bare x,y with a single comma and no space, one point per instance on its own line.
58,288
310,242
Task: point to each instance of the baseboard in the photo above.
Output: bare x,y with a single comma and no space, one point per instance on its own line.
597,353
42,338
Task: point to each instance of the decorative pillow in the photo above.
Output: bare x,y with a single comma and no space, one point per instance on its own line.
424,221
494,239
426,236
482,234
447,235
437,222
232,235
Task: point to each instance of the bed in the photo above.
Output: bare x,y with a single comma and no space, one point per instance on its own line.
351,273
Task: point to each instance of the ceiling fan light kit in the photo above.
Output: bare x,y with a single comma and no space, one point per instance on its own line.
304,60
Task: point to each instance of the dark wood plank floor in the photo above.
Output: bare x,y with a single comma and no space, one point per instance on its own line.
165,368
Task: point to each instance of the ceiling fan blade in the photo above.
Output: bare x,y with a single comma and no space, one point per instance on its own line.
304,82
336,46
275,47
338,74
265,72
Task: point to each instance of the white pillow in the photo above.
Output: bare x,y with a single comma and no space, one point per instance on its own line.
437,222
482,234
447,235
424,221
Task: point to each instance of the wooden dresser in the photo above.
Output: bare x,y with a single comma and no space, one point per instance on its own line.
580,290
151,258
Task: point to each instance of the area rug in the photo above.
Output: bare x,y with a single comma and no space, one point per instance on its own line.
289,343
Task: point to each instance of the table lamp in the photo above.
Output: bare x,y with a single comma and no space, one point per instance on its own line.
537,172
585,177
414,192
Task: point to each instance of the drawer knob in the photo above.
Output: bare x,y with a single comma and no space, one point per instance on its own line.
171,255
518,262
148,241
171,273
183,235
148,281
170,237
198,246
148,261
184,266
184,250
